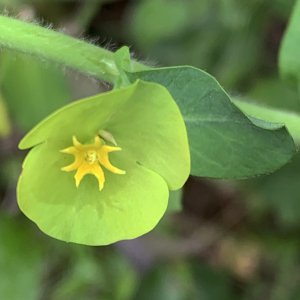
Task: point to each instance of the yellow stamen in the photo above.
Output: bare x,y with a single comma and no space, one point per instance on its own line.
91,156
88,159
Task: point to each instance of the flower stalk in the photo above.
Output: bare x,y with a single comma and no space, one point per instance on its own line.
60,48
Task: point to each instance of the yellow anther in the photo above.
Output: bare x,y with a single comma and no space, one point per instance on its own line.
91,156
88,159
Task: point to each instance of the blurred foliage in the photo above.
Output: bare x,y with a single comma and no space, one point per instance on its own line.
32,89
277,193
5,126
289,118
226,38
232,239
21,260
289,51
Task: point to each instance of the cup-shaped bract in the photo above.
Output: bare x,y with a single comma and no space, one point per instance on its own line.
147,125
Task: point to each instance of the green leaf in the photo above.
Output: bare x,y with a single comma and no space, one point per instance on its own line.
147,124
289,59
224,143
32,91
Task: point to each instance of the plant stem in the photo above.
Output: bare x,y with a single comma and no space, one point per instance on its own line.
60,48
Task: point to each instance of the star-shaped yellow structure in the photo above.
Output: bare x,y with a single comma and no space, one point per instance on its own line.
88,159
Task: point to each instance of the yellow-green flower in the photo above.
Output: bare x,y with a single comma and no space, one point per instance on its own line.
148,126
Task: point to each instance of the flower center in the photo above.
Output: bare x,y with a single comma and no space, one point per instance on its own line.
88,159
91,157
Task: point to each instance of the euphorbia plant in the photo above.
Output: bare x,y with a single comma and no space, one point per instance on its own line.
126,148
147,125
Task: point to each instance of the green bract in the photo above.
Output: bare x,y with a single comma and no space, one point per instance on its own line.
147,124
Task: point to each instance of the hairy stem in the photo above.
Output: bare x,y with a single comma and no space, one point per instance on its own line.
60,48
